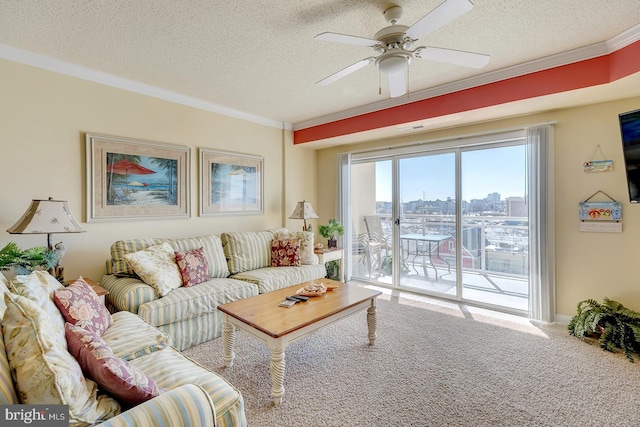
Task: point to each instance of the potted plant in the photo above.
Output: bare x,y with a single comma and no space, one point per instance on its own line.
331,231
27,260
617,326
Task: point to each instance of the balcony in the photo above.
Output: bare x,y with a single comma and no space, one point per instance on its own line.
494,259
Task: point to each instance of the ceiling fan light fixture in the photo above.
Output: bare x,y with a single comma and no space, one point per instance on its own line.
393,62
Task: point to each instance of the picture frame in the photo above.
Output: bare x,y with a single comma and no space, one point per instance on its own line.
230,183
136,179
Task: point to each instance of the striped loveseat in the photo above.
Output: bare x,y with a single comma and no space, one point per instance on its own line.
36,367
239,267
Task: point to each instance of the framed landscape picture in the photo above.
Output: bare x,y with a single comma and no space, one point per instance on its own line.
230,183
135,179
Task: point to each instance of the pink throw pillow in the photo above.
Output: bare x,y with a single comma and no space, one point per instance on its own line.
285,253
193,266
80,306
122,380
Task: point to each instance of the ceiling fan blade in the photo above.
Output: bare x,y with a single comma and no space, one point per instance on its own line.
441,15
344,38
345,72
397,83
450,56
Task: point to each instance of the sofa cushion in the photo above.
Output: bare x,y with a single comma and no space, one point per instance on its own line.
43,369
272,278
171,369
157,267
117,376
119,264
212,245
127,293
80,306
189,302
188,405
38,287
7,390
247,250
285,253
307,257
193,266
130,337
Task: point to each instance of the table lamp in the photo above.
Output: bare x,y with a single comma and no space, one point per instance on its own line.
304,211
48,217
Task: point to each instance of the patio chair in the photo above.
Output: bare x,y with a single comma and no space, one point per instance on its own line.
369,252
376,233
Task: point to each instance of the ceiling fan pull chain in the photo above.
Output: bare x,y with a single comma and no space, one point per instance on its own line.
379,82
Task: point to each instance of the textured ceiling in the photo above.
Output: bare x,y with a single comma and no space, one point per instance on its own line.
260,57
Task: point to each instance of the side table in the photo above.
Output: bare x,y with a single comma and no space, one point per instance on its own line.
332,254
99,290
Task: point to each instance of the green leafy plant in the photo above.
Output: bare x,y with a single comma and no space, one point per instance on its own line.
27,260
330,231
333,270
618,326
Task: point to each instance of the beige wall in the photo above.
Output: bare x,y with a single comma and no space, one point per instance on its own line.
588,265
43,120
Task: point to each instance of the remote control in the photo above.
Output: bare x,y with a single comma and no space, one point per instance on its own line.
292,298
287,303
300,298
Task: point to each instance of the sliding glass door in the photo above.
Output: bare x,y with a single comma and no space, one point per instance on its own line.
449,221
426,250
495,224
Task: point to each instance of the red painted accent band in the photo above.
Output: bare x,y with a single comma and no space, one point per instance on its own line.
582,74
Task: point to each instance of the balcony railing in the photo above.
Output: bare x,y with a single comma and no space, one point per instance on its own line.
490,244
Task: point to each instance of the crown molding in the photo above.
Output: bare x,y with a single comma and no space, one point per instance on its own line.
14,54
564,58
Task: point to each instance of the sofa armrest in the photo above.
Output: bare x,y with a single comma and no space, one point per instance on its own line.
185,406
127,293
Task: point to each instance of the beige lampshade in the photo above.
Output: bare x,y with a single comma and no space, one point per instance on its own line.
47,217
303,210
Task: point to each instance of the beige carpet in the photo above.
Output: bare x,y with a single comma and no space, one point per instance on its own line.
434,366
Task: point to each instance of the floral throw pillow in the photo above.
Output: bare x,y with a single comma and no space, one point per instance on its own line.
307,257
122,380
80,306
156,266
285,253
43,369
193,266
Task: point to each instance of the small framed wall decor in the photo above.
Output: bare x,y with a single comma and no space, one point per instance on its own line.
595,166
230,183
134,179
600,217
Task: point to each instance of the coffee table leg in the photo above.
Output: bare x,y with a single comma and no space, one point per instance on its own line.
371,321
277,374
229,339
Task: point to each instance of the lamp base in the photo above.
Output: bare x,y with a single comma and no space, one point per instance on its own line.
59,274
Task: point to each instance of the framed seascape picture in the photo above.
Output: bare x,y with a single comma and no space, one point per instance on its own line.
134,179
230,183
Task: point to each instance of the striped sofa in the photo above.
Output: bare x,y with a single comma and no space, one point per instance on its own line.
194,396
239,267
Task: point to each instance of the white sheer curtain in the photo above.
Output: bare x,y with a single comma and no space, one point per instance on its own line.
343,208
542,289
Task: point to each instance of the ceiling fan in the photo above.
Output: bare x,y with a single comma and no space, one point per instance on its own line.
395,41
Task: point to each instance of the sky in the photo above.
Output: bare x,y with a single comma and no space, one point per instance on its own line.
431,177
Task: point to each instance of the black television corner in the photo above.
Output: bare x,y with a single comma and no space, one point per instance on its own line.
630,132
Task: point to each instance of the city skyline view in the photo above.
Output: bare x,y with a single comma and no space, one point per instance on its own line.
432,177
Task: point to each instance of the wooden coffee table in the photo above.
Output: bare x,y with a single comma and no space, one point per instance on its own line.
277,327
